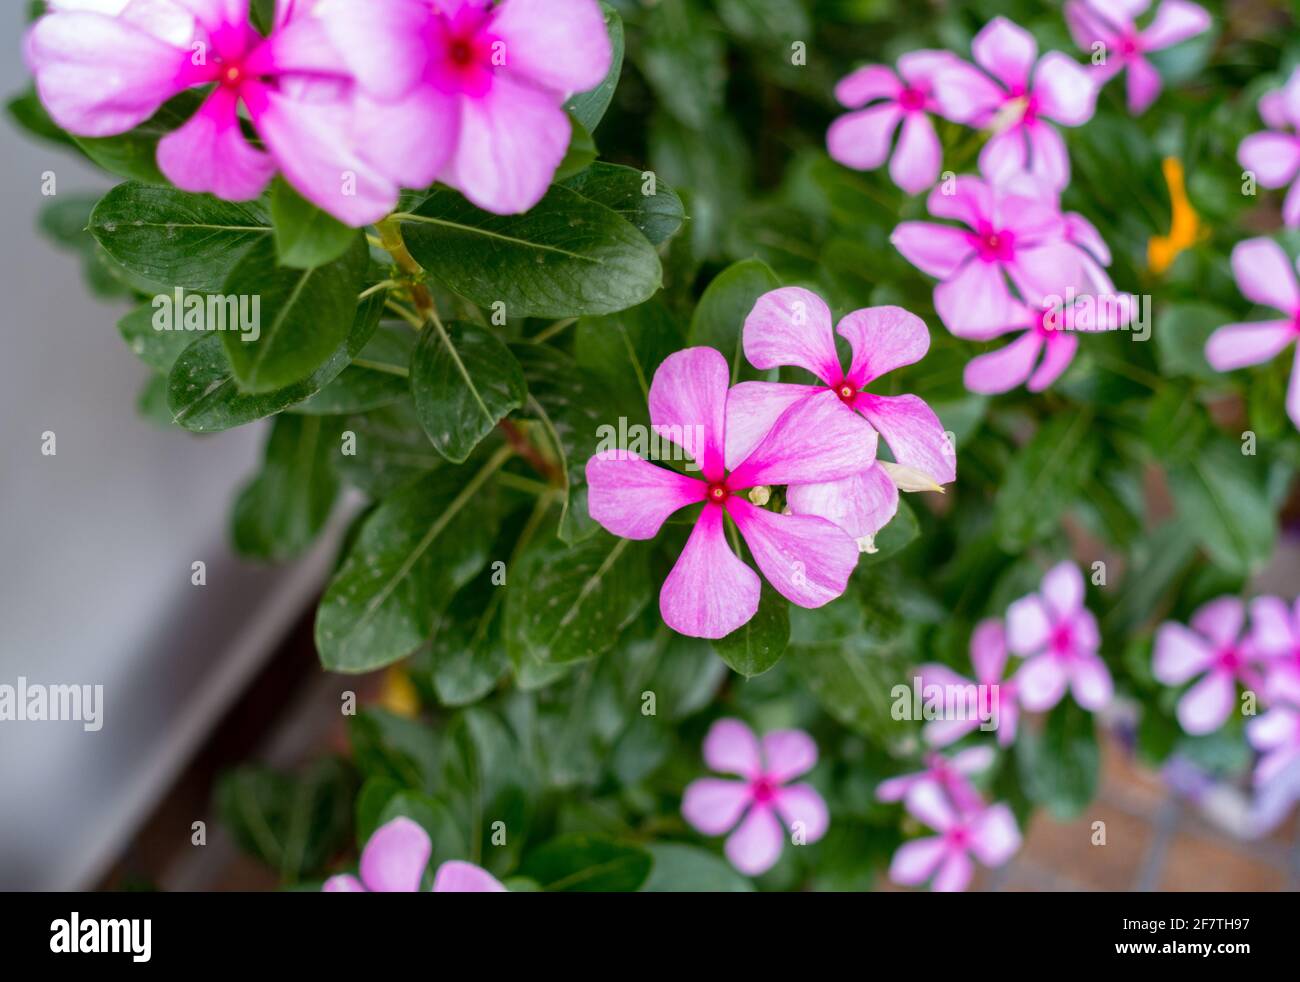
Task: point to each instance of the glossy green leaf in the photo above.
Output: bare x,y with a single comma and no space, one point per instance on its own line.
581,863
158,349
305,236
377,377
589,107
644,200
757,645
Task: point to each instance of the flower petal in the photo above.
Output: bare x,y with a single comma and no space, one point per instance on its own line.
1050,162
1058,353
713,805
988,651
410,139
1064,90
861,504
967,200
1006,51
1235,346
862,139
867,83
688,405
1091,683
936,250
1041,682
1063,590
560,44
343,883
954,875
792,326
927,803
788,754
1175,21
456,876
1273,631
808,560
709,592
753,408
918,159
976,299
914,862
1029,625
803,810
882,339
995,837
209,153
1273,157
1221,620
913,432
755,847
632,497
1265,275
1206,705
1002,370
730,747
1142,85
966,95
1180,653
395,857
817,439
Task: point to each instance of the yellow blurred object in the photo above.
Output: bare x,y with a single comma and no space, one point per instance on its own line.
1185,229
398,695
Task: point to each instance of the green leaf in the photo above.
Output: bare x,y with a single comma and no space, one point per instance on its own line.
376,378
683,58
465,381
1220,497
623,190
204,397
565,257
901,531
580,863
413,553
157,349
280,513
1043,479
580,155
589,107
305,315
577,410
391,450
134,154
26,110
1059,767
1181,331
305,236
571,603
626,349
727,301
178,239
756,646
680,868
394,749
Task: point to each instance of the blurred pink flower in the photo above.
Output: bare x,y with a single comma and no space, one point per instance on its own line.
1017,102
710,592
1008,233
1111,23
1266,276
715,806
792,327
1215,648
1276,735
880,99
951,775
1275,638
988,655
989,834
1058,637
102,67
1273,155
394,860
470,93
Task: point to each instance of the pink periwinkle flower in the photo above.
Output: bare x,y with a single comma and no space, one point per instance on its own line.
471,93
951,775
756,806
1275,638
880,100
1008,232
1016,103
988,655
1273,155
1111,23
792,326
1266,276
102,67
989,834
394,860
1058,637
710,592
1215,648
1276,735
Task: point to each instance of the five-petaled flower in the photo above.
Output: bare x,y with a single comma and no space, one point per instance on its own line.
715,805
792,327
988,833
1266,276
1108,28
1017,102
710,592
394,861
989,656
1215,648
1058,637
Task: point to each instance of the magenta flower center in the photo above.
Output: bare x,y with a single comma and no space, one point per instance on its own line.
994,245
958,837
911,100
1128,46
1230,660
1062,641
232,77
763,790
464,54
717,492
846,392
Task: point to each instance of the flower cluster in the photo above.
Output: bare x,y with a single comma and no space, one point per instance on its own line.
349,102
819,441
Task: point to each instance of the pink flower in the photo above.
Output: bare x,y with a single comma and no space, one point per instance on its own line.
951,775
715,805
1058,637
1111,23
1008,233
1213,648
1275,637
472,94
1017,101
792,326
1266,276
989,834
710,592
1273,155
394,860
103,67
988,655
1276,735
862,139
